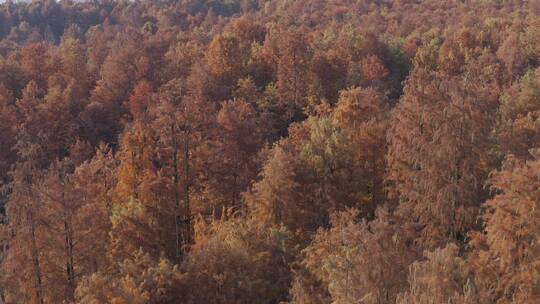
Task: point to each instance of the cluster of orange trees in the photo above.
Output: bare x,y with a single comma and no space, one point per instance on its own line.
280,151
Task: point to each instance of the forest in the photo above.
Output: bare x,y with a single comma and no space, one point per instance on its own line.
270,152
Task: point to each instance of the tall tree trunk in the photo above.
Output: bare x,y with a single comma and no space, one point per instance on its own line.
35,259
176,181
188,228
70,268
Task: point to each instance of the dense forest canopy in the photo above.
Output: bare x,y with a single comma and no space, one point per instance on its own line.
279,151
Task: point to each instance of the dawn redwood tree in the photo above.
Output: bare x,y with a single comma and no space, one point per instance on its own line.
38,123
139,280
59,205
438,135
183,124
182,56
94,181
329,75
140,100
102,116
294,55
238,141
237,259
49,234
511,52
34,60
505,254
27,117
362,114
519,112
73,65
22,266
57,135
441,277
226,58
8,133
12,76
362,261
372,71
326,164
307,176
143,211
